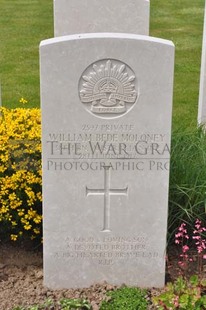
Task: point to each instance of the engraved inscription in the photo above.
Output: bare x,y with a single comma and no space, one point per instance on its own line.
123,149
107,88
108,250
106,191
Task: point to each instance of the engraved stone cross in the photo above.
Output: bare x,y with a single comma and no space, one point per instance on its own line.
106,191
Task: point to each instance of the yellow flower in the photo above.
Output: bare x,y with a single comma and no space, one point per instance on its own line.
14,237
39,196
4,209
22,100
12,196
20,170
20,213
31,214
27,227
37,219
24,221
36,231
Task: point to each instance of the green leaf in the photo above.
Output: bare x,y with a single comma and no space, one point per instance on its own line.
194,280
203,300
203,282
70,304
126,298
184,301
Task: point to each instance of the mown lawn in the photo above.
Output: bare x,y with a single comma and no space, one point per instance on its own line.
182,22
24,23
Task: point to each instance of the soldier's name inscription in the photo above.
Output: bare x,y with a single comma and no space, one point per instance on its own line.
91,149
113,145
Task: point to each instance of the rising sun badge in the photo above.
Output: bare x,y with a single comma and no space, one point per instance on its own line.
107,88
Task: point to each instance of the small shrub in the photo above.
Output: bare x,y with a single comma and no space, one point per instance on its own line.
200,243
182,295
197,241
126,299
20,174
72,304
181,238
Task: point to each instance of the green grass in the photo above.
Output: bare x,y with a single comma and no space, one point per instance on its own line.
187,194
24,23
182,22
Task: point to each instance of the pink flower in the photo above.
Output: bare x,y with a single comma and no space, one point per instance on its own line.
185,248
196,237
176,301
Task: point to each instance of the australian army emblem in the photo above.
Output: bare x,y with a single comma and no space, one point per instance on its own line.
107,88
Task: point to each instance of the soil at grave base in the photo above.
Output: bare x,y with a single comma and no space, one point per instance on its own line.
21,280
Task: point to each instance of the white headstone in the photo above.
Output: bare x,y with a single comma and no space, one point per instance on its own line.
86,16
106,102
202,90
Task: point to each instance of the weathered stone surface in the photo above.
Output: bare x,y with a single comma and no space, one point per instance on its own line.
86,16
106,102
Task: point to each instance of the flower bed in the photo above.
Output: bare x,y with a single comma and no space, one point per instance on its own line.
20,174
